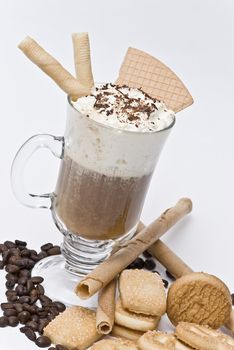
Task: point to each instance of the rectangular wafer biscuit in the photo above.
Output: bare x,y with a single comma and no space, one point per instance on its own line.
141,70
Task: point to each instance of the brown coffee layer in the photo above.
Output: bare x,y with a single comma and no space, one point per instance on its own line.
97,206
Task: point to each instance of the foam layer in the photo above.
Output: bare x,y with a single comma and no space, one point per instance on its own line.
109,149
125,108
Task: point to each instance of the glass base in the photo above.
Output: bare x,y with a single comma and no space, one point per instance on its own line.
59,283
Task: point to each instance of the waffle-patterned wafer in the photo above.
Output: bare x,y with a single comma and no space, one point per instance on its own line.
203,337
141,70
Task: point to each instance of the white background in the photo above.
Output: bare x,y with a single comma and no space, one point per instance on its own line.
195,39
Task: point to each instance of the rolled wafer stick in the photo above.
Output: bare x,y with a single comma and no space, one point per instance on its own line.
53,68
111,267
106,308
176,266
82,59
167,257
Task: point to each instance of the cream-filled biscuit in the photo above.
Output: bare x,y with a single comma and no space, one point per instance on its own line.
142,292
135,321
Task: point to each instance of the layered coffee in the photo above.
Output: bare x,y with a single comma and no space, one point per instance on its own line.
109,160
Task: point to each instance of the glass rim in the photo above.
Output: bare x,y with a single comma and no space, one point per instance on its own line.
122,130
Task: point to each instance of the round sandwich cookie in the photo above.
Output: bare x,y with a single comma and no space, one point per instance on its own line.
203,337
153,340
114,344
199,298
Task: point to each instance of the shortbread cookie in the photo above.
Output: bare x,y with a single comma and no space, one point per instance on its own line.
135,321
124,332
200,298
142,292
74,328
153,340
203,337
114,344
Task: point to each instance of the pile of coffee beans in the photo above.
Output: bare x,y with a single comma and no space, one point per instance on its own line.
147,262
26,304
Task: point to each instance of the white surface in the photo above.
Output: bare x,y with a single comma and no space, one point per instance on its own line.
195,39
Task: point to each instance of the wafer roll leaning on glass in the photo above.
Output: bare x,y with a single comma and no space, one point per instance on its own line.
117,262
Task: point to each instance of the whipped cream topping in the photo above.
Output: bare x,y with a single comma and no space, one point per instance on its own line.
125,108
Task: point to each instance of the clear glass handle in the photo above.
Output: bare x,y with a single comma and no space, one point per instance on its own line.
56,145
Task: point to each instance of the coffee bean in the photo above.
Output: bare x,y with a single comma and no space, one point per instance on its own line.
13,260
11,295
7,306
5,256
3,321
60,347
54,311
21,243
42,312
21,290
32,309
24,299
45,300
60,306
25,273
232,295
42,255
25,253
147,254
50,317
33,325
43,342
14,252
11,277
35,257
149,264
12,268
2,265
10,312
24,316
139,263
42,324
52,348
10,284
40,290
25,263
33,300
30,334
30,285
165,282
23,280
37,279
13,321
23,329
18,307
3,248
34,293
54,251
131,266
35,318
9,244
46,246
170,275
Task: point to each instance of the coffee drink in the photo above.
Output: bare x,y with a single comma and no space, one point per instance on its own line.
106,168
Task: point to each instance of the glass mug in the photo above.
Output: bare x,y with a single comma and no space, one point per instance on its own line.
102,183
